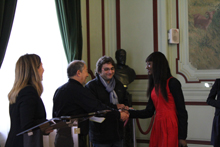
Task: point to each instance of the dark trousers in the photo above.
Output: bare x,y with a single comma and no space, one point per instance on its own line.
64,140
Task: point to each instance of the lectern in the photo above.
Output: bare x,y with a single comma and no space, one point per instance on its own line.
32,136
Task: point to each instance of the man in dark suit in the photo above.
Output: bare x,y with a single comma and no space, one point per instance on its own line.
111,92
73,99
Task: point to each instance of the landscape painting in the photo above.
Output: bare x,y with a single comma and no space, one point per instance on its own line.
204,34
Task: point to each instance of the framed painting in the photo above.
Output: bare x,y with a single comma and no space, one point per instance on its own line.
199,48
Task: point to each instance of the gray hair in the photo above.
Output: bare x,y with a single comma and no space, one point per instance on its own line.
74,66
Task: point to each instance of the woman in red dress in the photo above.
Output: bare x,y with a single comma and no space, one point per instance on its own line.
167,102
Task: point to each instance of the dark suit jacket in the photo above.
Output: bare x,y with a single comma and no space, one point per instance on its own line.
111,129
26,112
74,99
211,100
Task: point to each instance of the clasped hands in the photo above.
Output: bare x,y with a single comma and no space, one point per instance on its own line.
123,111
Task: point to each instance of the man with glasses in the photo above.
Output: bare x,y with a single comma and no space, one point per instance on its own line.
106,88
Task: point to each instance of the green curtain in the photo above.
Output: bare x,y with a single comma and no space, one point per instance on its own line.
69,17
7,12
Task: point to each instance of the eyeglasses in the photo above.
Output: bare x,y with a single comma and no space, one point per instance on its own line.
107,69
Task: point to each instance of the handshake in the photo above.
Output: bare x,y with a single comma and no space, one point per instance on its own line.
123,111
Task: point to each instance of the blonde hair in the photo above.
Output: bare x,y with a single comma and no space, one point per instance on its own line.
26,73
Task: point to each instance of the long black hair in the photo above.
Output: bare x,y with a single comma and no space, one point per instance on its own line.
161,72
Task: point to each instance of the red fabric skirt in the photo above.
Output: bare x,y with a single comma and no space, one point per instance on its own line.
165,131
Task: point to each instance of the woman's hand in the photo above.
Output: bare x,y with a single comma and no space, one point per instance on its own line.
182,143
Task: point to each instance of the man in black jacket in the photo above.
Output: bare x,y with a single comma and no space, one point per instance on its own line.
74,99
111,92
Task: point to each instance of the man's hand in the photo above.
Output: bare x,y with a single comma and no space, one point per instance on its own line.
124,115
122,106
182,143
48,130
126,107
